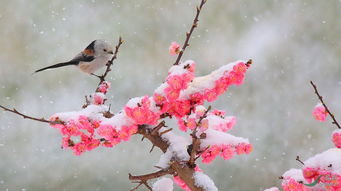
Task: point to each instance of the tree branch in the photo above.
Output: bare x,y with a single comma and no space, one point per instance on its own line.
188,34
153,175
110,62
324,105
196,140
28,117
184,171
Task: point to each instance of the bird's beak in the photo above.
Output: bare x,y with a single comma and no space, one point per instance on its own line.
111,52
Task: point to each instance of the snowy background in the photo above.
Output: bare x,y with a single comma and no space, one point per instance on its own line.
290,42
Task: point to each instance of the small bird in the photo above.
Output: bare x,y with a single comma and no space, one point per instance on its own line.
93,57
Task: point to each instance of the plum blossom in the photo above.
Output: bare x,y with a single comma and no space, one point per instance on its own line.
174,48
103,87
336,137
98,98
142,112
319,112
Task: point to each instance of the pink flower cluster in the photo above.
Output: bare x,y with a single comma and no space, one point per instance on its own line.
78,135
166,96
142,112
319,112
331,181
215,120
290,184
228,77
114,136
225,151
182,183
336,137
174,49
85,134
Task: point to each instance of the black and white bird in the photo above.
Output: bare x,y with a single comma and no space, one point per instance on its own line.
93,57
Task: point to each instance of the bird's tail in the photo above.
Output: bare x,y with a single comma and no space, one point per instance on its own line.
57,66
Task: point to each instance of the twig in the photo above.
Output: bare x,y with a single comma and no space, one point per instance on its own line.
136,187
188,34
165,131
110,62
153,175
299,160
151,149
200,153
324,105
248,63
28,117
158,127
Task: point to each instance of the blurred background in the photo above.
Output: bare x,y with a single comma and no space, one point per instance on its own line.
291,42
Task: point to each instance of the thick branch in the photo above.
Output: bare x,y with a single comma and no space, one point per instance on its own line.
196,140
324,105
26,116
188,34
181,169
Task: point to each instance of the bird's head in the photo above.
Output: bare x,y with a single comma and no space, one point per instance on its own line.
102,48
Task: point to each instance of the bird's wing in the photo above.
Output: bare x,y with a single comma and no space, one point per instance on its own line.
87,55
82,57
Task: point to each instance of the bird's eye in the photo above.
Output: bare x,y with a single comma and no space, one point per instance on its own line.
104,50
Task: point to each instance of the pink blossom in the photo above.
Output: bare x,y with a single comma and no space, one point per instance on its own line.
159,99
180,108
243,148
210,154
103,87
237,75
174,48
191,123
71,129
172,94
320,112
98,98
219,113
200,111
336,137
79,148
310,173
108,132
204,124
231,122
221,86
85,124
197,98
211,95
182,125
126,132
142,113
227,152
191,67
291,184
332,181
176,82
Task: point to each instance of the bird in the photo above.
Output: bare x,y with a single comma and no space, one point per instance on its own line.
93,57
